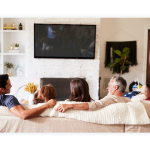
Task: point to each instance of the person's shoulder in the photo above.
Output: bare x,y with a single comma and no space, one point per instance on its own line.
126,99
10,96
110,96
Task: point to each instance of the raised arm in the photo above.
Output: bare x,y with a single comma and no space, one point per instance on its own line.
64,107
22,113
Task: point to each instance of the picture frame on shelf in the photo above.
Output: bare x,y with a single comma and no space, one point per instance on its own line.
19,72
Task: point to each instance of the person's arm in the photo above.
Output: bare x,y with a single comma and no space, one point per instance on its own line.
22,113
64,107
95,105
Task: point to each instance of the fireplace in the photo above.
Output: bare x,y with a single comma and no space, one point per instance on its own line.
61,85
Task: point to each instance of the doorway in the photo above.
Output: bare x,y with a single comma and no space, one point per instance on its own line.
148,59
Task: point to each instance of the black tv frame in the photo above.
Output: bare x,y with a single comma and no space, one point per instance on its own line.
64,57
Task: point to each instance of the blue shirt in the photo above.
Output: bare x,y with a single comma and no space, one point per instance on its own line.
8,101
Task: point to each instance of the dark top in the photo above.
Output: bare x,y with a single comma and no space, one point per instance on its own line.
8,101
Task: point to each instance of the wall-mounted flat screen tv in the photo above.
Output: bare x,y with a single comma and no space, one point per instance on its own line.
64,41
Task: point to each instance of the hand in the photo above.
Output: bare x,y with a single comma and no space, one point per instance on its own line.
63,107
51,103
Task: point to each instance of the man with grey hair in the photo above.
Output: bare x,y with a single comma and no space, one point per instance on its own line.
116,89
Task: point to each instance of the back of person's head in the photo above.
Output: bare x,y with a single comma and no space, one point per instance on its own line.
46,91
121,82
148,86
3,80
79,90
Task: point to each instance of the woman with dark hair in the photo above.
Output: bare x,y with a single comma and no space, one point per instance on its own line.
79,91
45,93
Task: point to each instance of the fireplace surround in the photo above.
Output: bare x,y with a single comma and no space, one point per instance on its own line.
61,85
64,68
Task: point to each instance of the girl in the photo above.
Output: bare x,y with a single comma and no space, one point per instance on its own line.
45,93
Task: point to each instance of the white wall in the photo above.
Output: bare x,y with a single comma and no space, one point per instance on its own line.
64,68
124,29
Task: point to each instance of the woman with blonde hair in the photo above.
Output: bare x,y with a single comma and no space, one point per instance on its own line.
45,93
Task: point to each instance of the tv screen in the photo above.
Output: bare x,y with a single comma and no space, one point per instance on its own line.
64,41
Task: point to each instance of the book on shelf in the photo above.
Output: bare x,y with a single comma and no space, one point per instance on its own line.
9,28
14,51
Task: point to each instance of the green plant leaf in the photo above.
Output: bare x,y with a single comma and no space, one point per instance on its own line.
111,64
117,60
118,52
123,67
126,53
9,65
125,49
128,62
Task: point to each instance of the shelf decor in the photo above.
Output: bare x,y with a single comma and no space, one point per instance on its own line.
20,26
9,69
14,49
19,70
9,26
17,46
12,46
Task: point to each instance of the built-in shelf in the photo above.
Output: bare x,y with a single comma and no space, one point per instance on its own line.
15,36
14,31
14,54
14,77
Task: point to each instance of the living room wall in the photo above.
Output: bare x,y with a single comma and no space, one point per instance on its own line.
124,29
64,68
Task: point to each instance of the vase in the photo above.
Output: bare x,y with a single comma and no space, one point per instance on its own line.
31,97
9,71
11,46
17,70
16,48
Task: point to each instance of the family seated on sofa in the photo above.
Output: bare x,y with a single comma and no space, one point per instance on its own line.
79,92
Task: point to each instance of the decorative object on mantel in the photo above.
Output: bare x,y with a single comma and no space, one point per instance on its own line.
110,46
9,69
20,26
122,61
31,88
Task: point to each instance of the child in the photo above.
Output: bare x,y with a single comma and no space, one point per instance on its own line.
45,93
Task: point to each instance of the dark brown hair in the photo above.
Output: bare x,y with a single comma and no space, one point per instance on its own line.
3,80
148,86
79,90
46,91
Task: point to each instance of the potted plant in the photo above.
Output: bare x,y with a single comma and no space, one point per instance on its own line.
122,61
17,46
9,67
